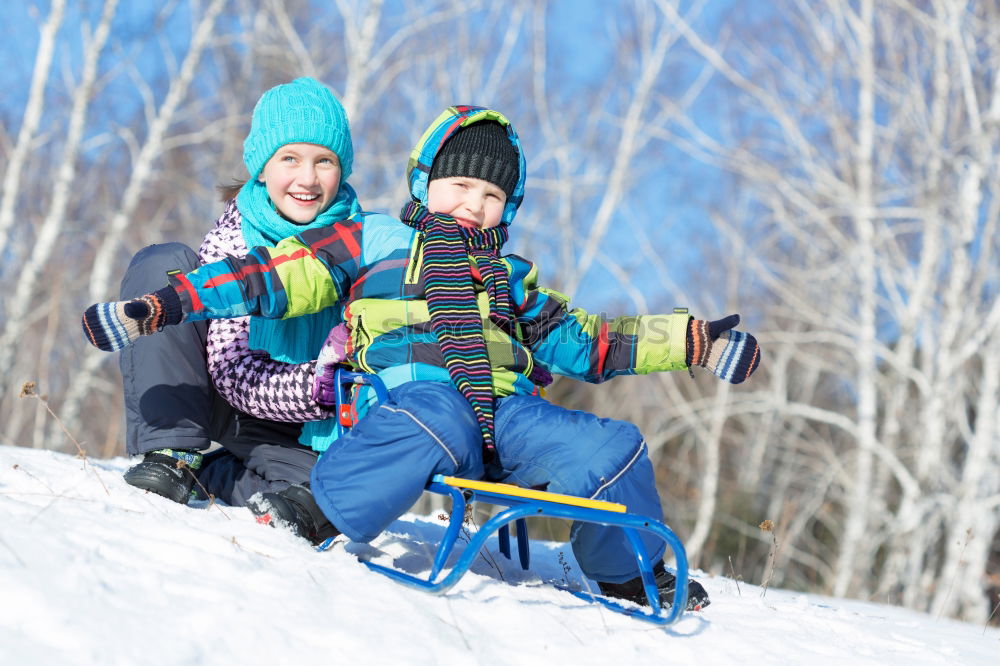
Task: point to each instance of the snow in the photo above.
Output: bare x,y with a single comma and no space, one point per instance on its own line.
93,571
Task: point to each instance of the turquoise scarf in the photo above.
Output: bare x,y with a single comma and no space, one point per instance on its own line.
299,339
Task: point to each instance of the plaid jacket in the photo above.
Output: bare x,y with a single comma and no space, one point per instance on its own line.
250,380
371,265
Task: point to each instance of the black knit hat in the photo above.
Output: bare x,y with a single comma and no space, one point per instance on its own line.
481,150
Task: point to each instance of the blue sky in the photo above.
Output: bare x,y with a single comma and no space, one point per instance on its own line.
581,46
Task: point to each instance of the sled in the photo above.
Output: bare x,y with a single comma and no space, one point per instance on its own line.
522,503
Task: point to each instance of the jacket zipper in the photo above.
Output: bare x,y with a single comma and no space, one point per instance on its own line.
413,270
366,345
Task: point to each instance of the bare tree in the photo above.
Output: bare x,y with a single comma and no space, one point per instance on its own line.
45,243
872,179
31,118
142,167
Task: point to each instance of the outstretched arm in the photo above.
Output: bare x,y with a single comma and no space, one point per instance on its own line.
300,275
593,348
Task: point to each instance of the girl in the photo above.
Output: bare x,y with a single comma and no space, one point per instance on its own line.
245,383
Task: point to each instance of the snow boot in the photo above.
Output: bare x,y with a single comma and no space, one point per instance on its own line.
666,582
166,472
294,509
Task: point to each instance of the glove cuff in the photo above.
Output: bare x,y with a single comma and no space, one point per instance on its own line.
699,343
166,305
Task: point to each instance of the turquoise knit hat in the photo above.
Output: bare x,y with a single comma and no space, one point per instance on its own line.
303,111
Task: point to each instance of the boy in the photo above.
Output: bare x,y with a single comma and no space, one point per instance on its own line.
458,334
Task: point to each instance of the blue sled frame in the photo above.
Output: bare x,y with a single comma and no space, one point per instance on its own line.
518,509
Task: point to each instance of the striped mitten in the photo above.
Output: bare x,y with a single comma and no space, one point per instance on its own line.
730,355
113,326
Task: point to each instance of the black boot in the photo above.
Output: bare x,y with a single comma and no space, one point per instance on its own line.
166,472
295,509
633,590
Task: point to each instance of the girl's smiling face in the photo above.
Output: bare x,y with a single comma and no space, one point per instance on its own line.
302,180
474,203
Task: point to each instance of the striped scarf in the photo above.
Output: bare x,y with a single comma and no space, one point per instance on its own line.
451,302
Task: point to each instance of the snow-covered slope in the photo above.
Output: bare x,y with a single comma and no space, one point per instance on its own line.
95,572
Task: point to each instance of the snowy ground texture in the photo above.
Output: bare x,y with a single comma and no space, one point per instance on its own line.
93,571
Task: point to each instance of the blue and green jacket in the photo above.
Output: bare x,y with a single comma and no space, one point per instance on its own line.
370,266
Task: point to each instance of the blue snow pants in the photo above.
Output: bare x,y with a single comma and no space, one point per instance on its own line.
376,472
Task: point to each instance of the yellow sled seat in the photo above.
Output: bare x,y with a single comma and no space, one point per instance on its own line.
529,493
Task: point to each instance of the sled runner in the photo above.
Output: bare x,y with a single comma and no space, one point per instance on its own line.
520,504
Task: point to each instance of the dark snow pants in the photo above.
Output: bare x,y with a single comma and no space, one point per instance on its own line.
170,401
376,472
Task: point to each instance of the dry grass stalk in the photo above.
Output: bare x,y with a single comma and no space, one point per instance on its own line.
211,498
768,527
990,618
29,390
485,552
736,579
961,562
250,550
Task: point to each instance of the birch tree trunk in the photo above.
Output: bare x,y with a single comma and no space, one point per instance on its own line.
100,282
857,524
26,287
30,120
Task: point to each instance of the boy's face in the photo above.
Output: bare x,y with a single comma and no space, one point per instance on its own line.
474,203
302,180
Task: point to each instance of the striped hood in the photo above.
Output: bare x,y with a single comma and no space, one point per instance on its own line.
418,168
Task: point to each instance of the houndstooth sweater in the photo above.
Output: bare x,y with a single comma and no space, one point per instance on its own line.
250,380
